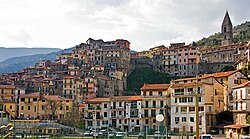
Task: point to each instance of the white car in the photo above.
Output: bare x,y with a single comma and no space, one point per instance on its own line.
87,133
119,134
157,134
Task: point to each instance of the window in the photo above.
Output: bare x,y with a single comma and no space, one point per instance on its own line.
177,119
176,100
183,109
105,105
201,108
34,99
160,93
190,99
67,107
184,119
43,107
28,107
10,107
176,109
150,93
199,99
34,108
191,119
22,107
162,104
22,99
144,93
105,114
191,109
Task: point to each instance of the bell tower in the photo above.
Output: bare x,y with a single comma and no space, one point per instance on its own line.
226,31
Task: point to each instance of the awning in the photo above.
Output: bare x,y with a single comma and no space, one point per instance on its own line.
238,126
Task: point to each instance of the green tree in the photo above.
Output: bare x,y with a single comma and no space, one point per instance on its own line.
227,68
248,119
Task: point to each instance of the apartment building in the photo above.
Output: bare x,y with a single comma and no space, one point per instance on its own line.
37,105
241,103
155,100
11,92
97,113
183,98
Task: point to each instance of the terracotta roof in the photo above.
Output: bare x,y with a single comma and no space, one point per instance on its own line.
186,84
103,77
7,86
242,85
155,86
49,79
216,75
97,100
31,95
126,98
237,126
82,105
69,77
53,97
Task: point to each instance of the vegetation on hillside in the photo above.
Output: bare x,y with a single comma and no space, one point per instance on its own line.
146,75
241,33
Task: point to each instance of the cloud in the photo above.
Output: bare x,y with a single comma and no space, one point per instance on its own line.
63,23
20,36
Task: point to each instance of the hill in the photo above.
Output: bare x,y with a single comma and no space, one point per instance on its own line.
146,75
6,53
17,63
241,33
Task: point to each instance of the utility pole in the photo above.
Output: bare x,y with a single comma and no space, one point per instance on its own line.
197,104
166,120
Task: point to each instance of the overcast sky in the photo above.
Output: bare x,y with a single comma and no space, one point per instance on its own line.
145,23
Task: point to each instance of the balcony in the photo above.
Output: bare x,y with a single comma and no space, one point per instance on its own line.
89,117
134,116
118,116
94,108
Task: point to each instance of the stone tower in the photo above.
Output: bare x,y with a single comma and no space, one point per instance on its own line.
226,30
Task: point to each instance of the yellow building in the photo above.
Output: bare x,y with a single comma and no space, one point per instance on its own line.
36,105
155,100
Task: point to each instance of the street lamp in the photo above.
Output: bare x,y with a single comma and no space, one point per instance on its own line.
159,118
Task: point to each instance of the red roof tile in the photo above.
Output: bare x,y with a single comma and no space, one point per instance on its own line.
126,98
97,100
242,85
155,86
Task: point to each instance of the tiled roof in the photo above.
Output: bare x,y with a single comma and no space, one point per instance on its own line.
242,85
68,77
155,86
97,100
216,75
53,97
186,84
103,77
31,95
7,86
126,98
49,79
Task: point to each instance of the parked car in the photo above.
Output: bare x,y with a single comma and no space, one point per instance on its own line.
111,134
119,135
87,133
206,136
214,131
157,134
141,135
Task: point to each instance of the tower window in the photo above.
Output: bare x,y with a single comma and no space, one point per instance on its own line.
225,29
225,37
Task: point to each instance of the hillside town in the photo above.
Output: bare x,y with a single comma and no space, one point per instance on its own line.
87,90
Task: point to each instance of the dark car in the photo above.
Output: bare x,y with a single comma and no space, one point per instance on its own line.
214,131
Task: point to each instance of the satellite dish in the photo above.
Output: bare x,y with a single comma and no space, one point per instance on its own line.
159,117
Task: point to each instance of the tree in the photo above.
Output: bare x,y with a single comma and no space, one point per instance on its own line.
51,108
73,117
248,119
227,68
